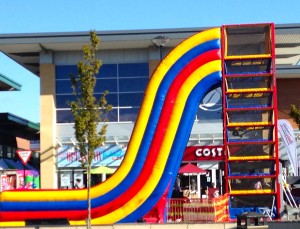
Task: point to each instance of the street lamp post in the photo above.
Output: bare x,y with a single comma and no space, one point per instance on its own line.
160,42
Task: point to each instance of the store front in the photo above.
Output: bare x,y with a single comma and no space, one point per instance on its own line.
71,173
16,134
207,175
15,175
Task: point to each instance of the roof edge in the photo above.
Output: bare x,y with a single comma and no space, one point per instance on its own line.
14,85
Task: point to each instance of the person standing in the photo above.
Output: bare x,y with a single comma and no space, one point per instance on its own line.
78,184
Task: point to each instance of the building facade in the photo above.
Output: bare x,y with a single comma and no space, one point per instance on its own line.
15,134
128,61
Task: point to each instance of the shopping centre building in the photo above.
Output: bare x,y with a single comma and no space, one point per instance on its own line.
16,134
128,60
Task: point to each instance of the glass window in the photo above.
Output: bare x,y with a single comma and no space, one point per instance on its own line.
62,101
133,84
9,152
106,84
208,115
108,70
63,86
128,114
123,92
66,116
134,70
65,71
130,99
111,98
211,105
112,116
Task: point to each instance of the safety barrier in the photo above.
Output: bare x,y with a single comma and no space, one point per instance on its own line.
198,210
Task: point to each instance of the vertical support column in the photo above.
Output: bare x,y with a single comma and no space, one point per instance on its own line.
48,122
279,195
214,176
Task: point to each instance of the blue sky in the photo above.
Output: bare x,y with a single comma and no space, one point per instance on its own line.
39,16
81,15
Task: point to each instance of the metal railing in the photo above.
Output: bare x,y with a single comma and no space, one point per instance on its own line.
184,210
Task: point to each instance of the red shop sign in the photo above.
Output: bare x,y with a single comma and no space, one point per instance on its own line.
204,153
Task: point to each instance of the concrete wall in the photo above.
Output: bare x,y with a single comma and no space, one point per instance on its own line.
48,126
288,93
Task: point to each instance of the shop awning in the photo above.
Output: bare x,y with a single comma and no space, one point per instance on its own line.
9,164
15,164
110,156
4,165
102,170
114,159
190,168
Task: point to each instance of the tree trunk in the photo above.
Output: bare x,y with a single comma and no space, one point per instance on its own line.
89,226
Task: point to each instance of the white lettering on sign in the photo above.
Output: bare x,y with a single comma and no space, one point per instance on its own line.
209,152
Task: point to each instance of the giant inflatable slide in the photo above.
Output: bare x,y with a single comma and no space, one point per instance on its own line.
155,150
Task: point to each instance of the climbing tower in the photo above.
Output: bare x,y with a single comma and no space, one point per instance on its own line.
250,118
